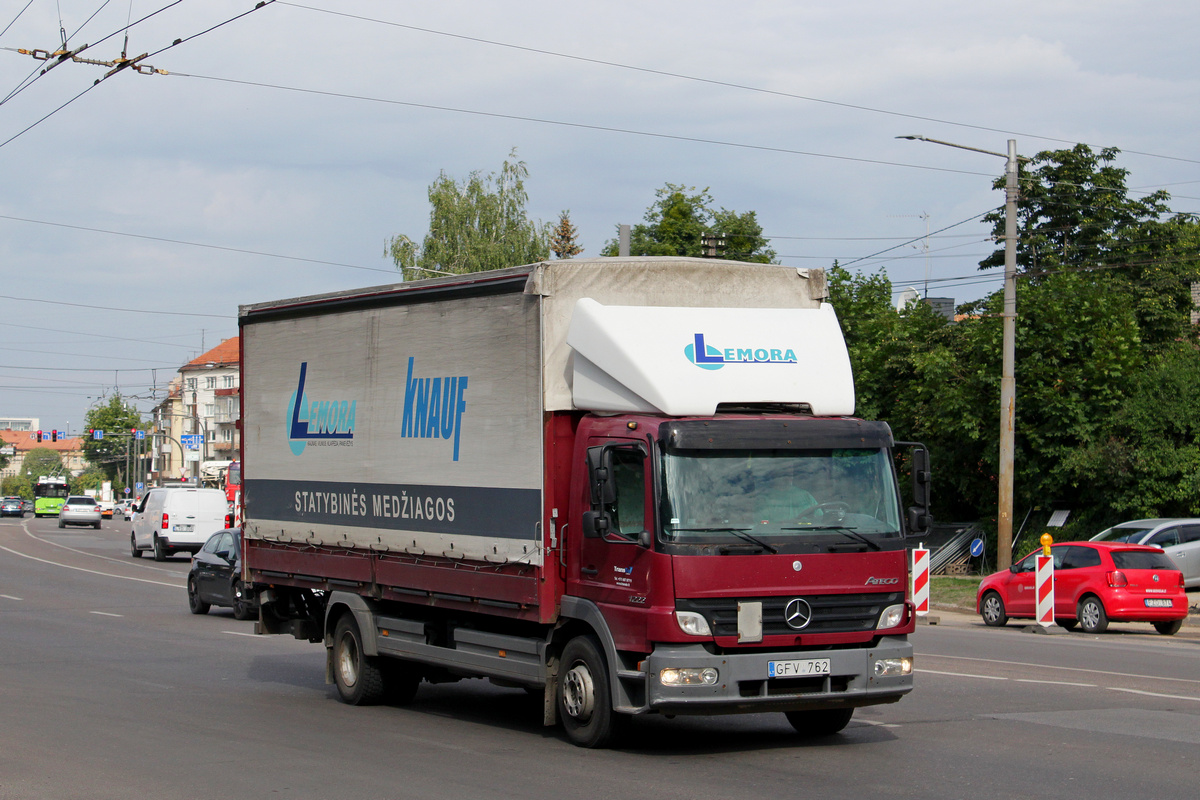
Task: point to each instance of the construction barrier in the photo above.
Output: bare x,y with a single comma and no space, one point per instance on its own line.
920,580
1044,585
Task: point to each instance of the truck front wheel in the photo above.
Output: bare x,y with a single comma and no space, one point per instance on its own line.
584,700
359,682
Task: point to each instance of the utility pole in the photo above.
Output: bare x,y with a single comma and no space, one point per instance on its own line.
1008,381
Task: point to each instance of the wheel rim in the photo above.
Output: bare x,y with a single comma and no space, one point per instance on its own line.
348,660
193,597
579,696
991,608
1089,615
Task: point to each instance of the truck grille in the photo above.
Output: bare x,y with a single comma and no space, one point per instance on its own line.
831,613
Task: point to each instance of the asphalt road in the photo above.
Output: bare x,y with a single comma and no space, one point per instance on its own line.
109,688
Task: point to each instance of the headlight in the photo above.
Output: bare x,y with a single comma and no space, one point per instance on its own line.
893,667
891,617
692,623
682,676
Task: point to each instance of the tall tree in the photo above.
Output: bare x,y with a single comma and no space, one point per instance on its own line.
41,461
476,225
117,419
563,238
679,219
1075,213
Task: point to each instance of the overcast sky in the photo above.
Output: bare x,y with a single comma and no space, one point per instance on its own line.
284,148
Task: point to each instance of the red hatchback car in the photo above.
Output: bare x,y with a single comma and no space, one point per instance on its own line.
1094,582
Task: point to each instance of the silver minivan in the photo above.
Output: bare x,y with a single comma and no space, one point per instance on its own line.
177,519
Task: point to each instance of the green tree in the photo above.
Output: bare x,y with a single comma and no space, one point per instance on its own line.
1075,213
91,478
476,225
676,223
17,486
41,461
563,238
117,419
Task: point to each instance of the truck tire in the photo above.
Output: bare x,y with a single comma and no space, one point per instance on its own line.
820,723
584,699
358,679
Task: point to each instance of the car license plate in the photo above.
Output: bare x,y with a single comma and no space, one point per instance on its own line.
182,528
1157,602
806,666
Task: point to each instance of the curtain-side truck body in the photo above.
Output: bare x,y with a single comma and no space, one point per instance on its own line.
628,485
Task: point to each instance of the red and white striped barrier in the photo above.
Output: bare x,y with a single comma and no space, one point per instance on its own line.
1044,587
920,580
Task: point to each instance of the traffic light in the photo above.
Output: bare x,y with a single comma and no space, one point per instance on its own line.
54,436
39,436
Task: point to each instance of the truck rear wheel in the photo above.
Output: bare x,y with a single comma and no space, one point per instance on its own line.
359,681
584,700
820,723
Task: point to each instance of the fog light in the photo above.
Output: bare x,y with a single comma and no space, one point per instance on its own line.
892,667
891,617
685,676
692,623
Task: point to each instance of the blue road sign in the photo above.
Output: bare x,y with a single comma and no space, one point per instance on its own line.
977,548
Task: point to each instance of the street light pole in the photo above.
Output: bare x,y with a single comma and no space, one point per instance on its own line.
1008,381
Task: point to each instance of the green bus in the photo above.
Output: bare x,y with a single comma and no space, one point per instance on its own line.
49,493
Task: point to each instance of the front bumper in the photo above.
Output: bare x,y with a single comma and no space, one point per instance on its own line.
743,685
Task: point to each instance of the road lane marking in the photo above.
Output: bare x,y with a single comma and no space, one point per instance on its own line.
1156,694
9,597
962,675
1065,669
105,614
90,571
242,633
128,562
1056,683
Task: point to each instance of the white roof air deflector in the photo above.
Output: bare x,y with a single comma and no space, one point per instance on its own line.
685,361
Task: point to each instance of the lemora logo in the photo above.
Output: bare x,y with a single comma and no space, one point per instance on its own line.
318,420
706,356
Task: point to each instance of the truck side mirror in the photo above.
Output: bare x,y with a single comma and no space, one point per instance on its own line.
920,476
918,520
600,462
595,524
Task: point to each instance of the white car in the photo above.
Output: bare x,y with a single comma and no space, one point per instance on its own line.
79,509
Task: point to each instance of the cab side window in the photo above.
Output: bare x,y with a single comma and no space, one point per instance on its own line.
628,512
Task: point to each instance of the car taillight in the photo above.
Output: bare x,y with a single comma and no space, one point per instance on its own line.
229,524
1117,579
97,508
166,523
1180,574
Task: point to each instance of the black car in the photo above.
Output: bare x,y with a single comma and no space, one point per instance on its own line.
12,507
215,578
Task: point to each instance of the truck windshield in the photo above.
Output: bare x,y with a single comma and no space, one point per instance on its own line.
778,497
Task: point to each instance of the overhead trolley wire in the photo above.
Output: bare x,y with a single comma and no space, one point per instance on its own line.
711,81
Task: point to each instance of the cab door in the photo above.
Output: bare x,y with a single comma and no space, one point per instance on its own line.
1022,596
615,558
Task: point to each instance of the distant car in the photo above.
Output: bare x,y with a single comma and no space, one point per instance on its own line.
79,510
215,576
177,519
1094,583
12,507
28,506
106,508
1179,538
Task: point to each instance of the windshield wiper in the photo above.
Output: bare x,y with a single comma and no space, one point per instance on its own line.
849,533
741,533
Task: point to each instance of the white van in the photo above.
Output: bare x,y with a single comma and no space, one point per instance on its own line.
173,520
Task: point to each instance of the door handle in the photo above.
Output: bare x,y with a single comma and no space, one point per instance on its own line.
589,570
